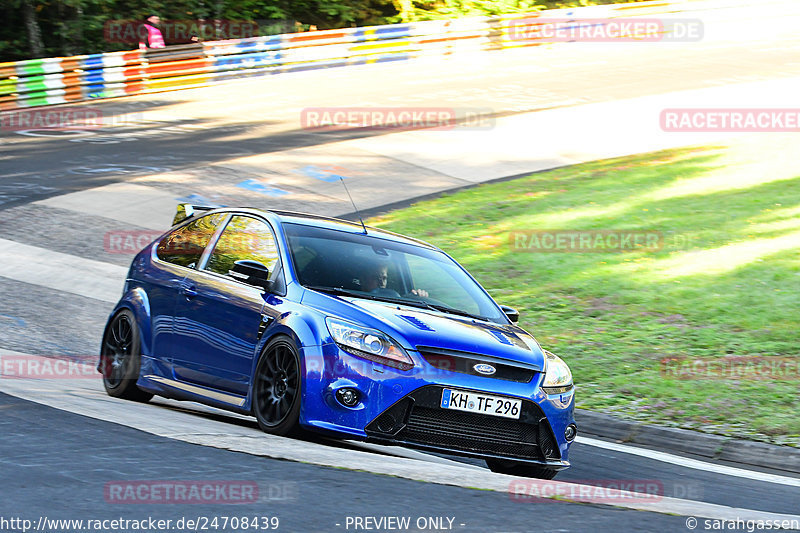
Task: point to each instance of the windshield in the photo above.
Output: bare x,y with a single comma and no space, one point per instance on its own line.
369,267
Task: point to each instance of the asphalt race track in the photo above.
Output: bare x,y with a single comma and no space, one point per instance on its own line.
73,204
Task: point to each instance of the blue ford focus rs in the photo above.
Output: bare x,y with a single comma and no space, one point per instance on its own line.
316,324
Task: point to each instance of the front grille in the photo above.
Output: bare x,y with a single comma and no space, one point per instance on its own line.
471,432
418,419
464,363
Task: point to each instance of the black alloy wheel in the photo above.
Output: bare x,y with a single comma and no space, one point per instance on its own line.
277,388
120,358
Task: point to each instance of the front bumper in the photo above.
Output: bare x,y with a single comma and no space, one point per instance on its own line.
412,400
418,421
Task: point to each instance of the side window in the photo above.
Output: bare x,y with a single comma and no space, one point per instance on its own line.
185,245
243,238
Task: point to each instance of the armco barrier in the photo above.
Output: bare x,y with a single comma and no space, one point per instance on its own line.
70,79
61,80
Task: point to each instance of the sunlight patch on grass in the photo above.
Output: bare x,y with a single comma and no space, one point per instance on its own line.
784,212
723,259
783,224
725,179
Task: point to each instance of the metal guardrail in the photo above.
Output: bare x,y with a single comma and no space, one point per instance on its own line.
60,80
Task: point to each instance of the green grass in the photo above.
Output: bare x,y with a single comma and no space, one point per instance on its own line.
726,282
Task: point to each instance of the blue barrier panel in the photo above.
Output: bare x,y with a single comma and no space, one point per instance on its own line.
379,33
315,65
261,59
400,29
94,76
393,57
93,61
95,91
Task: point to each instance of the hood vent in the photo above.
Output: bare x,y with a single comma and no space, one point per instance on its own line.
500,336
416,322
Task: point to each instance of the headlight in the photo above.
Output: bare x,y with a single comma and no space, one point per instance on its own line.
557,376
368,344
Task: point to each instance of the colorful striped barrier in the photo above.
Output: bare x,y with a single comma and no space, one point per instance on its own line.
53,81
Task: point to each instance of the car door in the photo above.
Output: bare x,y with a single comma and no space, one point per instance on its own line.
217,317
176,255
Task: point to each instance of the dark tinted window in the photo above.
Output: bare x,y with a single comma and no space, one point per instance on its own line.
243,238
185,245
378,268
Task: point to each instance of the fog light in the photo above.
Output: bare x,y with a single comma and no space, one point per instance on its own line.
347,397
570,432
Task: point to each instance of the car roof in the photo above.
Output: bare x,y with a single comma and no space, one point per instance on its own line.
337,224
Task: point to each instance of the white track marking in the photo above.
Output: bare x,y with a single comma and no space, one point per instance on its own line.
86,397
3,352
690,463
62,272
138,205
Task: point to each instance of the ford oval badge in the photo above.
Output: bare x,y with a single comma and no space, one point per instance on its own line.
483,368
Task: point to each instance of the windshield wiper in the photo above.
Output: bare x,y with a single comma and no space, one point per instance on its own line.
452,310
338,291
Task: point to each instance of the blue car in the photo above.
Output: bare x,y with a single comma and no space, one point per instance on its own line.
317,324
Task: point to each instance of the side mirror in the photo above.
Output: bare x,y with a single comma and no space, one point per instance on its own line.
511,313
251,272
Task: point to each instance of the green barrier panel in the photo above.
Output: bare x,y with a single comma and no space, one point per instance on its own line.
31,84
31,67
8,87
32,102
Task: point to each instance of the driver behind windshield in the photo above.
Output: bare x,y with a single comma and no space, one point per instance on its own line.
374,278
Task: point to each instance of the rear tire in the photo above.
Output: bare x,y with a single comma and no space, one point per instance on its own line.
515,468
120,358
277,389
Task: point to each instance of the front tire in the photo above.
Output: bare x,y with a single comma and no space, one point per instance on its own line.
277,389
515,468
120,358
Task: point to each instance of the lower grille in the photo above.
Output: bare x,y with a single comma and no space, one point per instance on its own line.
471,432
546,442
418,419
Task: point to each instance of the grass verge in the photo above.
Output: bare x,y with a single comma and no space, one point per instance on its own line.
724,282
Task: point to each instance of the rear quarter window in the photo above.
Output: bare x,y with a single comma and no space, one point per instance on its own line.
185,245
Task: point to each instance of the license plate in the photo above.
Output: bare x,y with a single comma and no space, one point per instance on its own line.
481,403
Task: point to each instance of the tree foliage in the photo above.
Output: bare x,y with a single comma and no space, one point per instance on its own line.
50,28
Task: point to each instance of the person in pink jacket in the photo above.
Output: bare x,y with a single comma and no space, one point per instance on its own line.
150,34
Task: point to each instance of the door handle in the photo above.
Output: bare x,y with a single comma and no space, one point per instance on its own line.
189,291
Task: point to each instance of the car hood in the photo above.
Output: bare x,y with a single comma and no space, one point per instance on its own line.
415,328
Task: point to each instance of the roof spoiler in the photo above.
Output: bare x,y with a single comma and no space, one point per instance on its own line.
185,211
